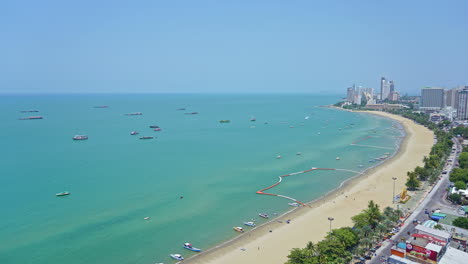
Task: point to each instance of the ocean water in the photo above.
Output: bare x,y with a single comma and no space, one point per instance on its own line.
116,180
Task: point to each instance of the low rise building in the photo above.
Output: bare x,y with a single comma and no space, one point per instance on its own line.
454,256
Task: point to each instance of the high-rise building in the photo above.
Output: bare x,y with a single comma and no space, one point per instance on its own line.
432,98
462,108
386,88
451,96
350,94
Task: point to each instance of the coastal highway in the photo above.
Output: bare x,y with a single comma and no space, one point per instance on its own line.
434,199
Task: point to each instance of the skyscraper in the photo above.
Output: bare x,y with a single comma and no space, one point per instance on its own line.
432,98
462,108
386,88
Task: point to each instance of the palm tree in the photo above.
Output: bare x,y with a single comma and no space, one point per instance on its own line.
381,228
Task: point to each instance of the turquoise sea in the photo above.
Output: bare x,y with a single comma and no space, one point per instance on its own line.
116,180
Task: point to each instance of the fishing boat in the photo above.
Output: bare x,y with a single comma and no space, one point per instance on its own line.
263,215
146,137
80,137
31,118
252,224
62,194
224,121
239,229
190,247
177,256
134,133
154,126
294,204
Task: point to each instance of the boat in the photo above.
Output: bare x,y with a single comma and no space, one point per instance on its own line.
298,153
177,256
31,118
337,158
360,166
180,109
252,224
291,126
192,113
80,137
263,215
132,114
62,194
239,229
278,157
253,119
224,121
101,106
134,133
294,204
154,126
307,117
29,111
157,129
146,137
372,160
190,247
147,218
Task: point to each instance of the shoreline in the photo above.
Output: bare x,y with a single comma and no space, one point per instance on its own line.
263,246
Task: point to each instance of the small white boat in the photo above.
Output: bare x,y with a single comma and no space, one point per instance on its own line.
191,248
307,117
278,157
252,224
239,229
177,256
147,218
263,215
294,204
62,194
337,158
134,133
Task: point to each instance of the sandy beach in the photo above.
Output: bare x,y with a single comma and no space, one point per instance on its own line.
310,223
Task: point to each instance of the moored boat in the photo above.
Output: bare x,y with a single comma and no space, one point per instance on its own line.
146,137
239,229
252,224
190,247
294,204
134,133
263,215
62,194
80,137
177,256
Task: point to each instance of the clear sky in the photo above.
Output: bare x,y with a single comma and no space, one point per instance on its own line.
230,46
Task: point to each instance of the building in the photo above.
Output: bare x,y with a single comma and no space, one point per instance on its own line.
350,94
451,97
432,98
394,96
462,107
386,87
385,106
433,233
454,256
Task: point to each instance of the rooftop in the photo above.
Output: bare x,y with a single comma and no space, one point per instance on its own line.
454,256
434,232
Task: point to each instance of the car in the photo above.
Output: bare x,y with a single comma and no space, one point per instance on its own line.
444,172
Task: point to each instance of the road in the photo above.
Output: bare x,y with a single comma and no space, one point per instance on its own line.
435,199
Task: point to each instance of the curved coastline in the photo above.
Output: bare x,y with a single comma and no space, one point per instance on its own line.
310,223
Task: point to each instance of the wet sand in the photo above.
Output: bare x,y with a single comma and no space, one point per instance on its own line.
311,223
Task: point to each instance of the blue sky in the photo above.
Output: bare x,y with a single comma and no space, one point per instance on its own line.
151,46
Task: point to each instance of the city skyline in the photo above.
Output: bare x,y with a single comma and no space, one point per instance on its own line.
242,47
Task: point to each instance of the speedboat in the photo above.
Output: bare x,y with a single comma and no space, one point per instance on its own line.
62,194
294,204
239,229
134,133
80,137
252,224
190,247
146,137
177,256
263,215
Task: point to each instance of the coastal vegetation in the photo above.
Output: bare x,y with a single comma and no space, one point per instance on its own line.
461,222
342,244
